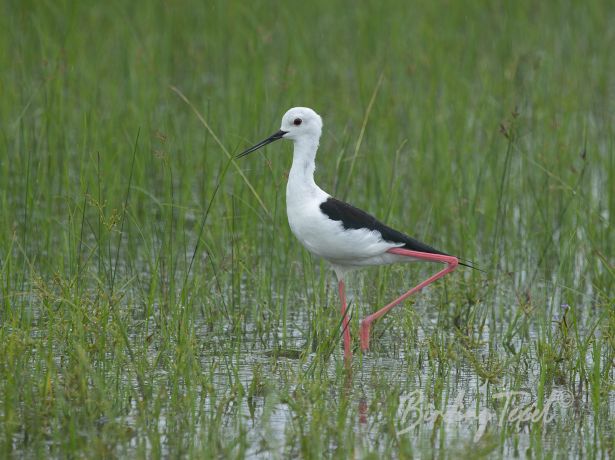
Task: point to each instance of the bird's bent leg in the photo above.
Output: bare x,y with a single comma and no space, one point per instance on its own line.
451,262
345,322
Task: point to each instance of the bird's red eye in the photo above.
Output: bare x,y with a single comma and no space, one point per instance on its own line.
297,121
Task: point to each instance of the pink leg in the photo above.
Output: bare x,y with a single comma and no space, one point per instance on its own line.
345,322
449,260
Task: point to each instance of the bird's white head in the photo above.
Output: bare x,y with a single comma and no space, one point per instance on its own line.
299,124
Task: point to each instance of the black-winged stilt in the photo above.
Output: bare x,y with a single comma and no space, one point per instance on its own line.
347,237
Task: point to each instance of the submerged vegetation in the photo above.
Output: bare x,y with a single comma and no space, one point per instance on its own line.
154,303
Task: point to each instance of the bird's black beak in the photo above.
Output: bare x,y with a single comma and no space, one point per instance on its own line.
269,140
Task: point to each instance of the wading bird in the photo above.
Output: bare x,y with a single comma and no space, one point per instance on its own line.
345,236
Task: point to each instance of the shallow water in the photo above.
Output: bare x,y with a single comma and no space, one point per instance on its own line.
394,395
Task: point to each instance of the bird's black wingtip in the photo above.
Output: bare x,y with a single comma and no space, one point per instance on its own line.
470,264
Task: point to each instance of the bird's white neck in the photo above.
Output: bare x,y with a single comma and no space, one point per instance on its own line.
301,185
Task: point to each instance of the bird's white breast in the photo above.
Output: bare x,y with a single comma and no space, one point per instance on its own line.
327,238
321,235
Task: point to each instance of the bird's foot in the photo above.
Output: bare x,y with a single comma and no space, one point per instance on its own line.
364,334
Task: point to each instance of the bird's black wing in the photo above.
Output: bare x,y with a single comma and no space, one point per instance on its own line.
354,218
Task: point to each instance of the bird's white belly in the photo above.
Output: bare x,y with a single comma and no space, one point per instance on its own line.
328,239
